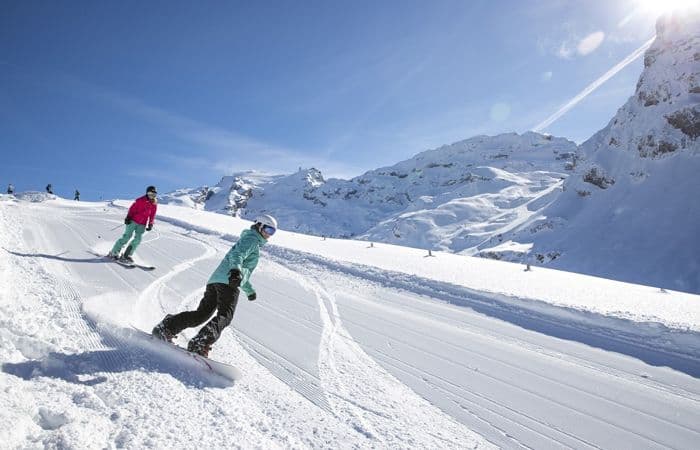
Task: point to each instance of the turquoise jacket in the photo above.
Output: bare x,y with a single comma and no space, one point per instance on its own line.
242,256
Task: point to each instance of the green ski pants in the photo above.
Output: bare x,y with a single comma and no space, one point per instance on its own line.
132,229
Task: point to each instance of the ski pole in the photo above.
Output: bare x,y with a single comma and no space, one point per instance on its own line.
111,229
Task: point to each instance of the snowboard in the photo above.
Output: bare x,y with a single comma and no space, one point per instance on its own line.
222,369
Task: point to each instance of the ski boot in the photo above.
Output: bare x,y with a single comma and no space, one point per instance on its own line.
112,255
161,332
126,257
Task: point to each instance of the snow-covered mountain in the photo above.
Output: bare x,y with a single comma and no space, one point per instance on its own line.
229,196
450,198
627,210
630,210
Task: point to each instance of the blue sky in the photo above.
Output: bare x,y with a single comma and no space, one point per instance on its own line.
109,97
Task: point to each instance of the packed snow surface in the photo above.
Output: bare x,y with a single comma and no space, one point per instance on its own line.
349,345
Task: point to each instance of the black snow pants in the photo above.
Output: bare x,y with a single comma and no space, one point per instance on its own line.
218,297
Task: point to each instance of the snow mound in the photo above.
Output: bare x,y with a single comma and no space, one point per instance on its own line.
35,196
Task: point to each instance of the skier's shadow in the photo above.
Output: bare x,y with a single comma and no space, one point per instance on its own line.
58,257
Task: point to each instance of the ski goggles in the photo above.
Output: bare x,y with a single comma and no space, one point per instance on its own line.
151,194
267,229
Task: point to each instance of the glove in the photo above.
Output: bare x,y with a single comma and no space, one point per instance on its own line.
127,221
234,278
252,296
149,227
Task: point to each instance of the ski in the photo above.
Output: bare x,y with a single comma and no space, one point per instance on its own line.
123,263
141,266
126,264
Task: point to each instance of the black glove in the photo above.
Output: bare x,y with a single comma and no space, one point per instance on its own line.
149,227
127,221
252,297
234,278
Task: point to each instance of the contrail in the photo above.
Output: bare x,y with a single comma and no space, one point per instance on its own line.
593,86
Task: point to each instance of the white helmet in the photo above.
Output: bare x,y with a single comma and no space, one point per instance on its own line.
267,219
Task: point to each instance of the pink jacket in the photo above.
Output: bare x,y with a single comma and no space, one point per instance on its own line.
143,211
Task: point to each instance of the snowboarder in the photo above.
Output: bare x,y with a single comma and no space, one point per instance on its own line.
140,218
49,188
10,189
222,290
77,195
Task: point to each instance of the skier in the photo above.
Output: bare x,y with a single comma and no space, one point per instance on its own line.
140,218
221,293
49,188
77,195
10,189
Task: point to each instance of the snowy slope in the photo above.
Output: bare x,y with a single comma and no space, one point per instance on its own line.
348,346
630,211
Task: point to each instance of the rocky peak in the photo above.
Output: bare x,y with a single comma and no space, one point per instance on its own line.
660,120
312,177
628,211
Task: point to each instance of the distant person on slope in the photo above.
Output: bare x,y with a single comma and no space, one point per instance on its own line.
49,189
140,218
221,294
77,195
10,189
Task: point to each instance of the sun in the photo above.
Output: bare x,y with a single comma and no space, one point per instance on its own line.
658,7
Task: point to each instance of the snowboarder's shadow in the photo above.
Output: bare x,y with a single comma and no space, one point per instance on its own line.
78,368
58,257
94,367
